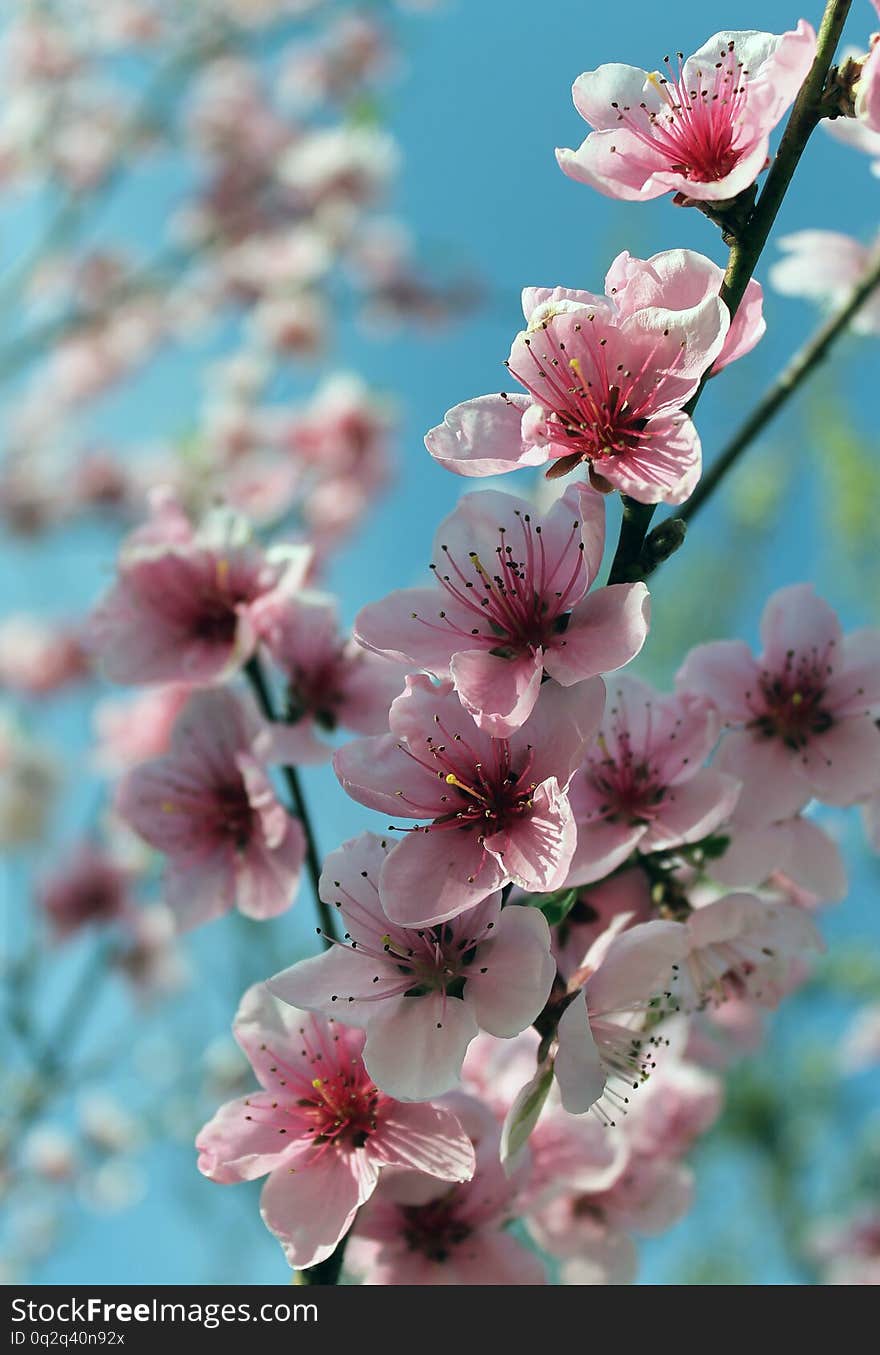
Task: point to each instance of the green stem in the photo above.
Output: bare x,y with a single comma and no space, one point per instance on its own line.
783,388
745,252
256,677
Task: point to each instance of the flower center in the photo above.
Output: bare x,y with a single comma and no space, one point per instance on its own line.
595,407
790,704
516,600
696,128
630,786
433,1229
233,814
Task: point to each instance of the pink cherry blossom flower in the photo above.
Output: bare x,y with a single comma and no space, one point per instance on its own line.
642,786
590,1228
421,995
511,601
319,1128
498,807
211,808
90,887
801,715
150,956
860,1046
602,1053
37,659
742,945
180,610
825,266
330,682
850,1249
413,1232
702,130
606,383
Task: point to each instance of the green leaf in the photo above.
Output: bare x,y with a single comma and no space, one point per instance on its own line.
555,907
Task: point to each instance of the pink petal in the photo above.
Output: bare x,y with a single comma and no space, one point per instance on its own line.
606,630
579,1070
415,1049
312,1207
483,437
638,965
795,619
424,1138
723,672
435,874
238,1144
500,693
519,973
843,766
692,810
773,786
536,850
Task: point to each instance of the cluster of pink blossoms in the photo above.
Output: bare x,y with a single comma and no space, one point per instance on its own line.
581,892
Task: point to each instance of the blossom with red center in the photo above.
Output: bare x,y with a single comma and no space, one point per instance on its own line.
210,807
606,380
319,1128
89,888
498,808
511,602
421,994
802,715
642,785
180,610
417,1232
330,681
702,130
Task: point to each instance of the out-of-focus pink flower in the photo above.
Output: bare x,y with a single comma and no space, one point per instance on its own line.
210,807
743,945
89,887
602,1052
319,1128
642,786
130,730
825,266
702,130
415,1233
796,851
860,1046
849,1249
37,659
180,610
150,956
606,382
29,776
421,995
512,602
802,715
498,807
331,682
867,89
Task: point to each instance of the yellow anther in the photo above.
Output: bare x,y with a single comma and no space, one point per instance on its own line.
575,365
222,572
797,698
386,940
168,807
655,80
316,1083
